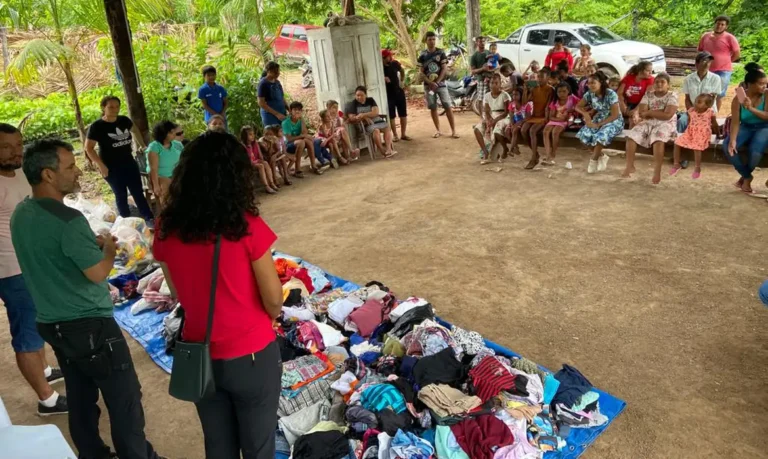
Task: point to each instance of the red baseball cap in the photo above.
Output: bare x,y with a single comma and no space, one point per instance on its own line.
385,53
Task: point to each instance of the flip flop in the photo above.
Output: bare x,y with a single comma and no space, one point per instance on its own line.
395,139
531,164
674,170
695,175
483,162
436,135
454,136
406,138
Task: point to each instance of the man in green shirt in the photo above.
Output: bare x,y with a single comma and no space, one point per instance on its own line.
65,267
478,64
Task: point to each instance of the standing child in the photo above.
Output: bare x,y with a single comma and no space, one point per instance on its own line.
584,61
493,57
540,96
212,95
558,113
702,123
516,118
325,133
274,147
248,138
340,131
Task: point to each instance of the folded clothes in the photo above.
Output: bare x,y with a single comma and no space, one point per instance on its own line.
490,377
480,437
573,385
442,367
381,396
300,422
446,401
330,444
312,393
304,370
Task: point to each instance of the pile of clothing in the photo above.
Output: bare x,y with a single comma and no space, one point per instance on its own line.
368,376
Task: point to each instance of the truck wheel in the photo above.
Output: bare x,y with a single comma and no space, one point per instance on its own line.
608,70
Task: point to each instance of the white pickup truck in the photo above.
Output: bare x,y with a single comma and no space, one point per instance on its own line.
613,54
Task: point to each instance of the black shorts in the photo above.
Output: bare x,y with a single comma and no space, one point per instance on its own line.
397,104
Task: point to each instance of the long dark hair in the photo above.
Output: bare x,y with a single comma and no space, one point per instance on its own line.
601,78
212,191
635,69
161,130
753,77
244,131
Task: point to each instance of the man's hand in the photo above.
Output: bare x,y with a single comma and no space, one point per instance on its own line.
732,147
432,85
280,116
101,240
386,79
103,170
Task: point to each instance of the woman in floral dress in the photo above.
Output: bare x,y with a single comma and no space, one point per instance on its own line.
658,112
602,120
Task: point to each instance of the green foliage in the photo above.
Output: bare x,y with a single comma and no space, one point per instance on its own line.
53,115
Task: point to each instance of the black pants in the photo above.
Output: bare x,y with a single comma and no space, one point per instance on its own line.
242,414
122,179
397,103
94,356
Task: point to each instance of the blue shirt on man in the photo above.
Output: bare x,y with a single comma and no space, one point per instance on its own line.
214,95
272,92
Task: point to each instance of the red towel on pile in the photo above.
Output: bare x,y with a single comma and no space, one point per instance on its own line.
480,437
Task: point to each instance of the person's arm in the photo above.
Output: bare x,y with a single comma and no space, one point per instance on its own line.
700,46
224,105
263,105
581,108
548,59
270,289
549,113
735,124
615,114
569,56
154,163
168,280
207,107
488,116
505,113
401,71
99,272
755,111
90,150
661,115
736,52
620,93
688,102
372,114
443,72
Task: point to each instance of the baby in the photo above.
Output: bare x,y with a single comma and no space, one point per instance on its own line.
493,57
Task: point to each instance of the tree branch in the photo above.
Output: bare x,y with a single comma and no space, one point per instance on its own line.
431,20
373,17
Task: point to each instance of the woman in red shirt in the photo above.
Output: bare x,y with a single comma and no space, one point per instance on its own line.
213,193
557,54
632,89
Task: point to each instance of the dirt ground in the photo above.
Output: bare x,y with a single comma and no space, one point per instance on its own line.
649,291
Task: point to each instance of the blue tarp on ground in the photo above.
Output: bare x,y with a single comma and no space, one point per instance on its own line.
147,328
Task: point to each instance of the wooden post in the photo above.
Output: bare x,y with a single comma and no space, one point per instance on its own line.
473,24
120,31
347,7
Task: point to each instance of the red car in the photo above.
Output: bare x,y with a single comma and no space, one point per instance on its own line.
291,41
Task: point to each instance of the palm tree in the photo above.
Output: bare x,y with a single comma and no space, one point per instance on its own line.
8,16
51,50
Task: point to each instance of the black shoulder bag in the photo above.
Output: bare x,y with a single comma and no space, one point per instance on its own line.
192,371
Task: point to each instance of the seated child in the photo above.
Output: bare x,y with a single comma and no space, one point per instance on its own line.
702,123
540,96
299,141
583,81
530,77
614,83
217,123
516,117
248,139
340,131
325,131
559,112
273,147
493,57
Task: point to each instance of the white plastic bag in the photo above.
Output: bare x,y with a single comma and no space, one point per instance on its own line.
132,246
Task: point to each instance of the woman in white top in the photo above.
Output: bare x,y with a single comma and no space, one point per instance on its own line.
490,130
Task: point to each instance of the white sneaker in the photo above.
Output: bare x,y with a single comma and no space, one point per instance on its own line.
592,168
602,163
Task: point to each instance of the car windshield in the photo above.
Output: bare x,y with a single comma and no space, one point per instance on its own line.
598,36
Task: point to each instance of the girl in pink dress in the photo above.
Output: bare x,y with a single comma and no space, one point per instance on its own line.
340,133
559,112
697,136
248,139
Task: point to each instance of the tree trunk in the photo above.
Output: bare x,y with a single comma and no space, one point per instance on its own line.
260,31
120,32
6,54
347,7
66,67
473,24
